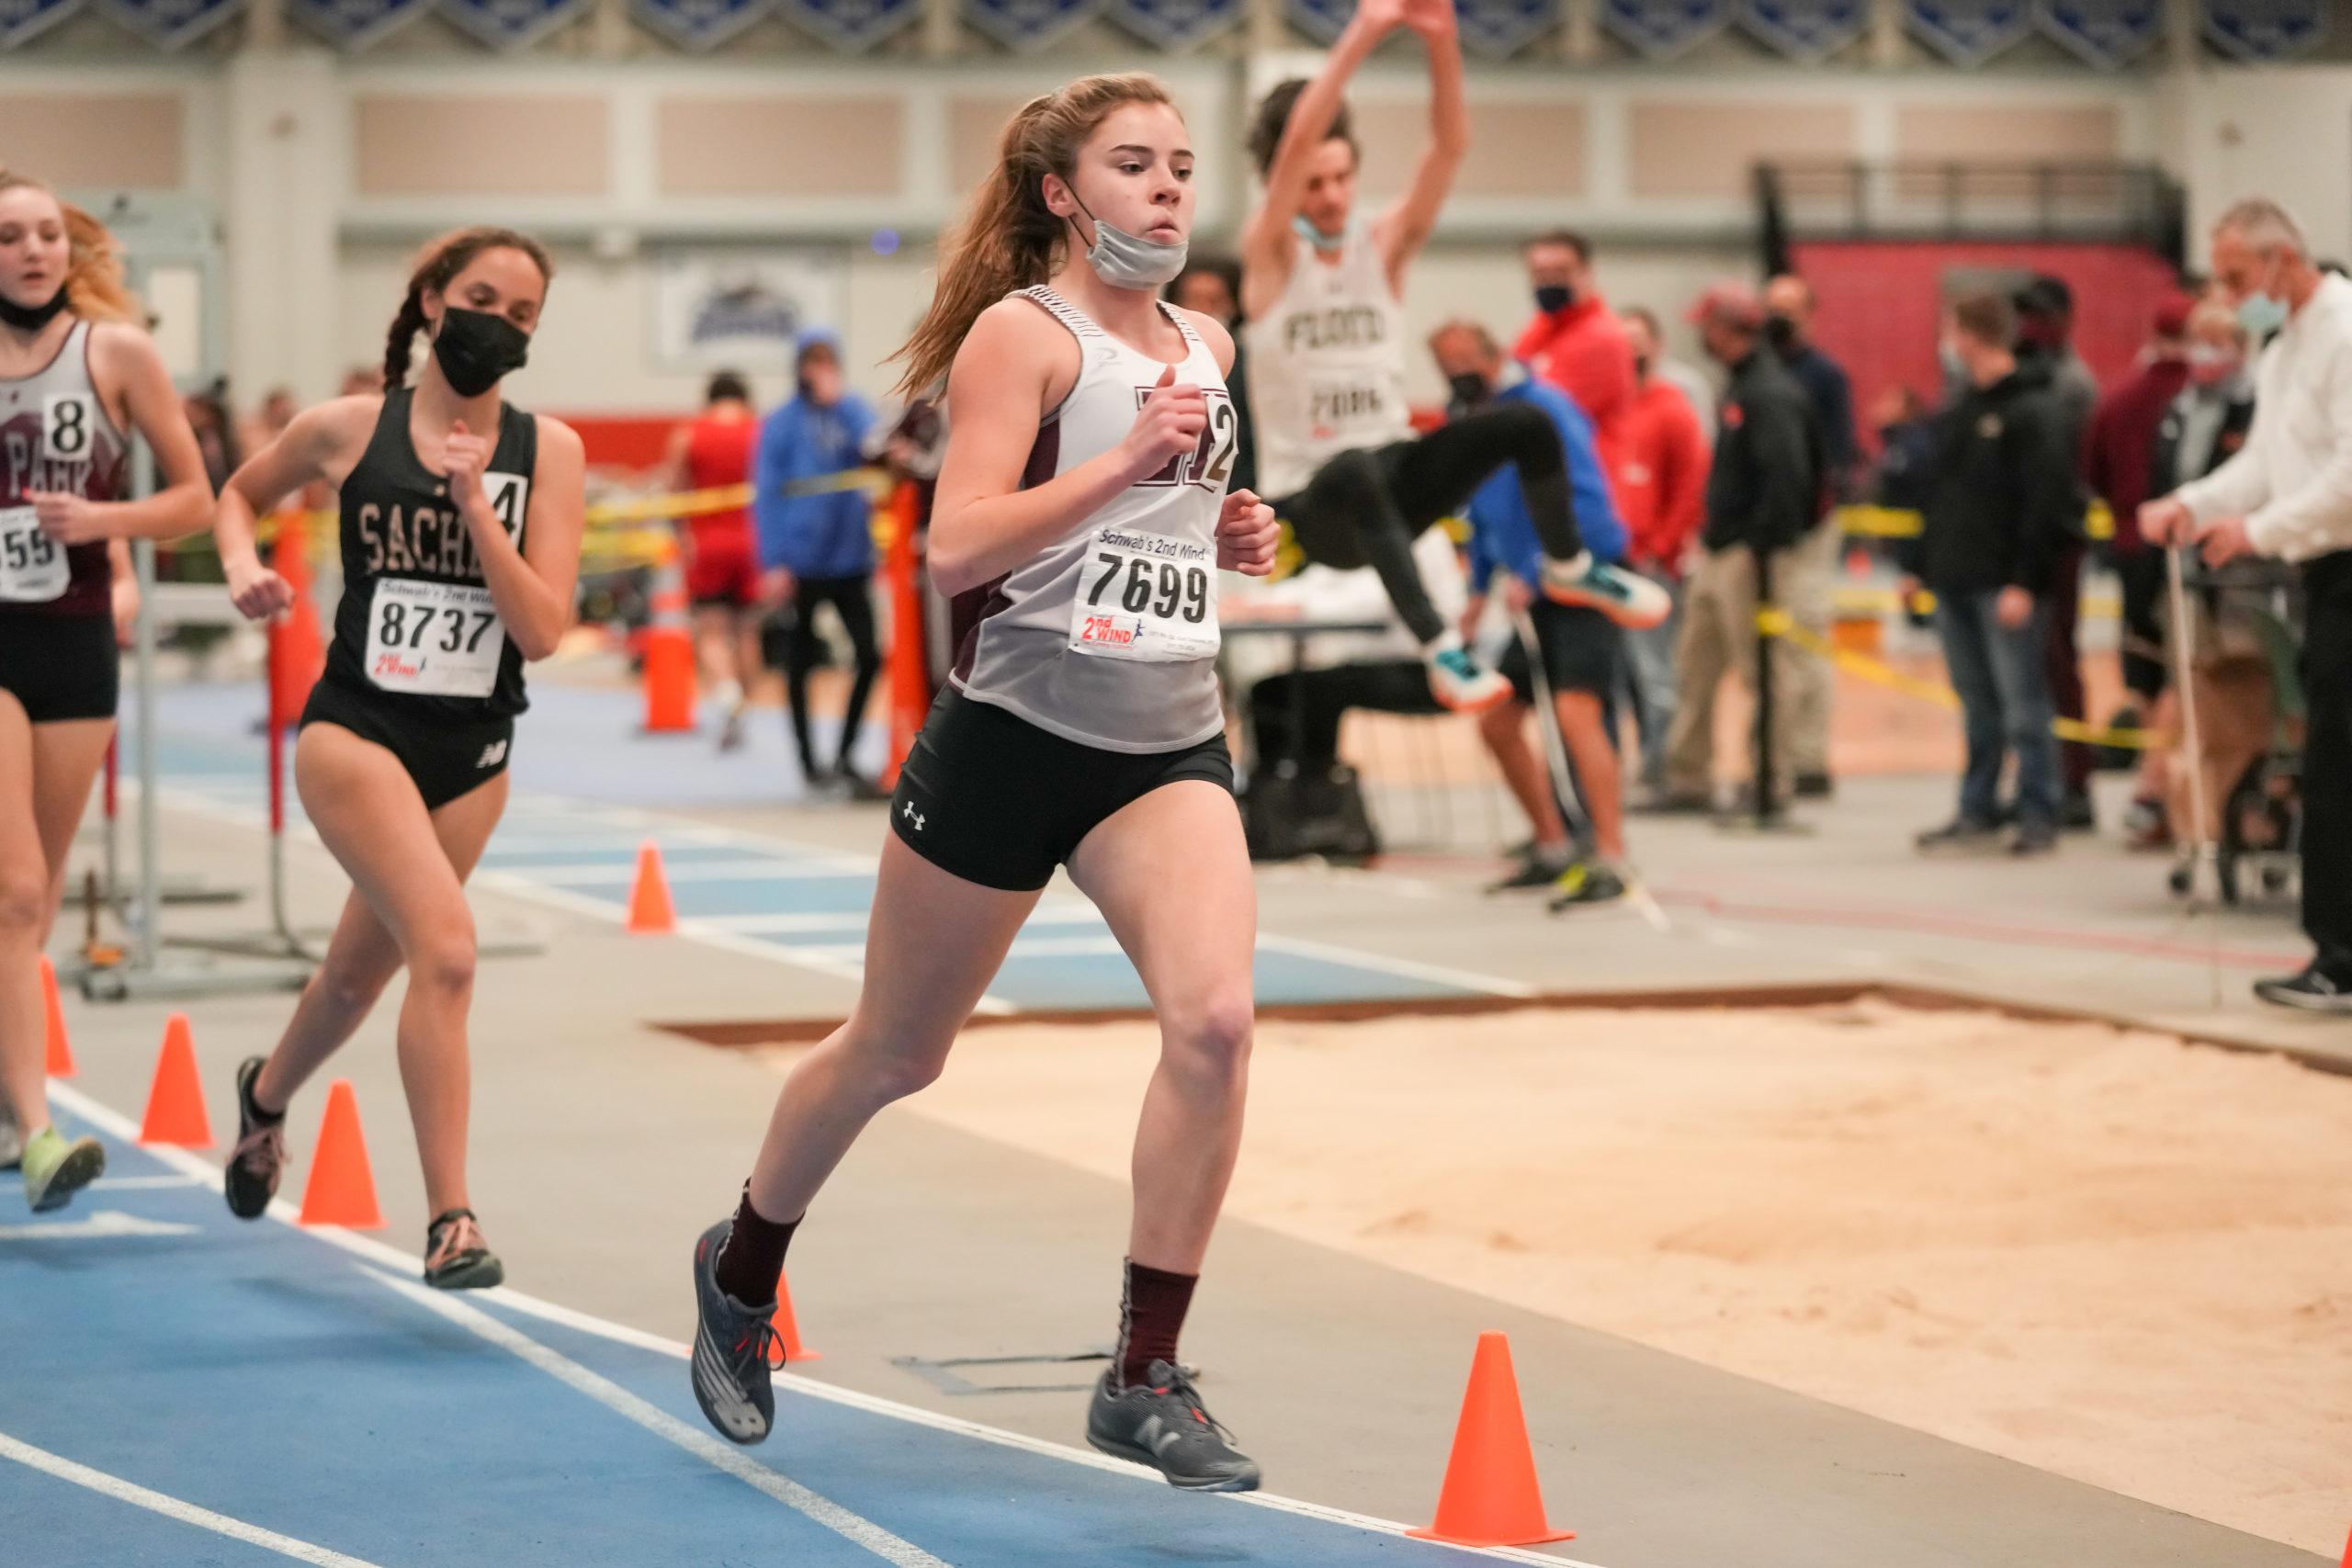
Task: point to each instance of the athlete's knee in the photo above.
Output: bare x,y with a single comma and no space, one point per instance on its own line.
1207,1041
444,961
1352,474
1530,432
24,907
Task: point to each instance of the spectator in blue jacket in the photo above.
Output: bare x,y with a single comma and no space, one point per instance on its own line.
1582,650
812,517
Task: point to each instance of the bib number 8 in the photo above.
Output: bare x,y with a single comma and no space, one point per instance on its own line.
67,427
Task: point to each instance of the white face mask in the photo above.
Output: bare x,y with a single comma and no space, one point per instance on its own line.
1129,261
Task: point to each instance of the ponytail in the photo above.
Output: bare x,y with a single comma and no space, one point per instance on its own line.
94,287
1010,239
437,266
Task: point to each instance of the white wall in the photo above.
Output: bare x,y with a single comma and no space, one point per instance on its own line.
2283,133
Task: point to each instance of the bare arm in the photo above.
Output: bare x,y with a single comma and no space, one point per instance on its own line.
532,587
138,391
1268,249
322,443
1405,228
1016,365
674,474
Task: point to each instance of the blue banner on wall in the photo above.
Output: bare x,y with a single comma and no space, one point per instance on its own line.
1028,23
697,23
1499,29
170,23
511,23
851,26
1663,27
1805,29
355,24
21,20
2108,33
1969,32
2265,29
1177,24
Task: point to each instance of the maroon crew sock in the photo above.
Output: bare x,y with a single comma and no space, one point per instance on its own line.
752,1258
1150,1316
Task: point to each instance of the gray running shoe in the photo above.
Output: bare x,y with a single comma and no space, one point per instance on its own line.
733,1345
1162,1423
455,1256
259,1159
55,1168
12,1136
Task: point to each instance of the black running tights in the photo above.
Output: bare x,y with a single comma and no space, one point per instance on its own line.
852,599
1366,508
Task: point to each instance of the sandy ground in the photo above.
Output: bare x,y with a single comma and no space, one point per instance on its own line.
2107,1254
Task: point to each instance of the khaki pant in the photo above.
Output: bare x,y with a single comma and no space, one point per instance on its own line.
1719,637
1807,590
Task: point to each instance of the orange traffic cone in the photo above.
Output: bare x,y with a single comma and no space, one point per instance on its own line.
340,1191
1490,1498
787,1330
61,1050
668,679
2348,1554
908,680
296,650
176,1101
649,910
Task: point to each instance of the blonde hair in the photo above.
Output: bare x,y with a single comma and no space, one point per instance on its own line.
94,286
1009,238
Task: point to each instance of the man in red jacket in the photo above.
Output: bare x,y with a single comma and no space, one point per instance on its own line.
1574,342
1660,482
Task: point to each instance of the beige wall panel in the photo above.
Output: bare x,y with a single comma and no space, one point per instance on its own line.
1516,150
92,139
1980,132
973,127
416,145
1689,148
779,146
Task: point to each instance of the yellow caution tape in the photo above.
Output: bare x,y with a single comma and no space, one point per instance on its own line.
1773,621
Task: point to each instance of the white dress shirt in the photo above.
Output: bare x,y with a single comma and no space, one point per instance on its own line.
2293,481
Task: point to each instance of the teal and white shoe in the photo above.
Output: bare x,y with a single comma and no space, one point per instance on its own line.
55,1170
1459,682
1627,598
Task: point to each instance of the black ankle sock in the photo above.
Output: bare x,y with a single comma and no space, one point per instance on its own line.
254,1113
752,1260
1151,1314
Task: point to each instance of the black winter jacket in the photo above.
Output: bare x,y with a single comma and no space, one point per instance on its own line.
1766,484
2004,500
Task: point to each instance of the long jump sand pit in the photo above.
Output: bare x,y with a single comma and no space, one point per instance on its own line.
2106,1253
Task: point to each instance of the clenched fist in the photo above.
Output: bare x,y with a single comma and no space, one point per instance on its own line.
1246,535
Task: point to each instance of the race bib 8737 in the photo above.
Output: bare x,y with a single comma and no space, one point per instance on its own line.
438,639
1146,597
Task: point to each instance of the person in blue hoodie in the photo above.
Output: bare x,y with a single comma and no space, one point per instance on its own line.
815,535
1583,650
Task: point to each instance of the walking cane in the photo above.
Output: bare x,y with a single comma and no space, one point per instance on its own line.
2184,644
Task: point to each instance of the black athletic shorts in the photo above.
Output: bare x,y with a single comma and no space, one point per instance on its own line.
1582,651
445,760
991,798
61,667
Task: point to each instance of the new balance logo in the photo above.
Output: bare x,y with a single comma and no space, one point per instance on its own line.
912,815
491,755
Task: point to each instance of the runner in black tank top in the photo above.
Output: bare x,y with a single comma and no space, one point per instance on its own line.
461,524
77,378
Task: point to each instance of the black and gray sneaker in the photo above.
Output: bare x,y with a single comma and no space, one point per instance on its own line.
733,1345
259,1159
1587,883
455,1256
1162,1424
2313,990
1536,869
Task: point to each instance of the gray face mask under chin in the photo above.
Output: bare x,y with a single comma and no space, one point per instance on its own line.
1127,261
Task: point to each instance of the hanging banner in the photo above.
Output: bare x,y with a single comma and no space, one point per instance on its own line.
697,23
1177,24
22,20
1969,32
2265,29
741,309
2109,33
511,23
1805,29
355,24
1028,23
1663,27
1500,29
170,23
851,26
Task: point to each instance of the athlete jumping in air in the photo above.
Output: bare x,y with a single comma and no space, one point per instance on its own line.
78,375
1082,518
1326,336
461,524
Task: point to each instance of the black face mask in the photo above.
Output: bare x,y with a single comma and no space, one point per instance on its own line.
32,318
1469,387
1552,297
477,349
1781,330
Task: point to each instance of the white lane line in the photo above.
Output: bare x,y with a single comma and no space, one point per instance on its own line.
172,1507
124,1129
104,1222
854,1528
140,1183
579,874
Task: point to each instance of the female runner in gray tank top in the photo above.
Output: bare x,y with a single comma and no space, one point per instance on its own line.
1082,518
78,375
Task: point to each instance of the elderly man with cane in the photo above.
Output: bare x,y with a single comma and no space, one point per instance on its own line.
2287,494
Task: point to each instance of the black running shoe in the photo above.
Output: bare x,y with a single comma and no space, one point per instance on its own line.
1536,870
2313,990
455,1257
1162,1424
1586,883
259,1159
733,1345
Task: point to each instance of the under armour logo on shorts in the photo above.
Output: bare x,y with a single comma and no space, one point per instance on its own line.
912,815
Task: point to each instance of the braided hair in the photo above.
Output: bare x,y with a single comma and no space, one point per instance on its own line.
437,267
